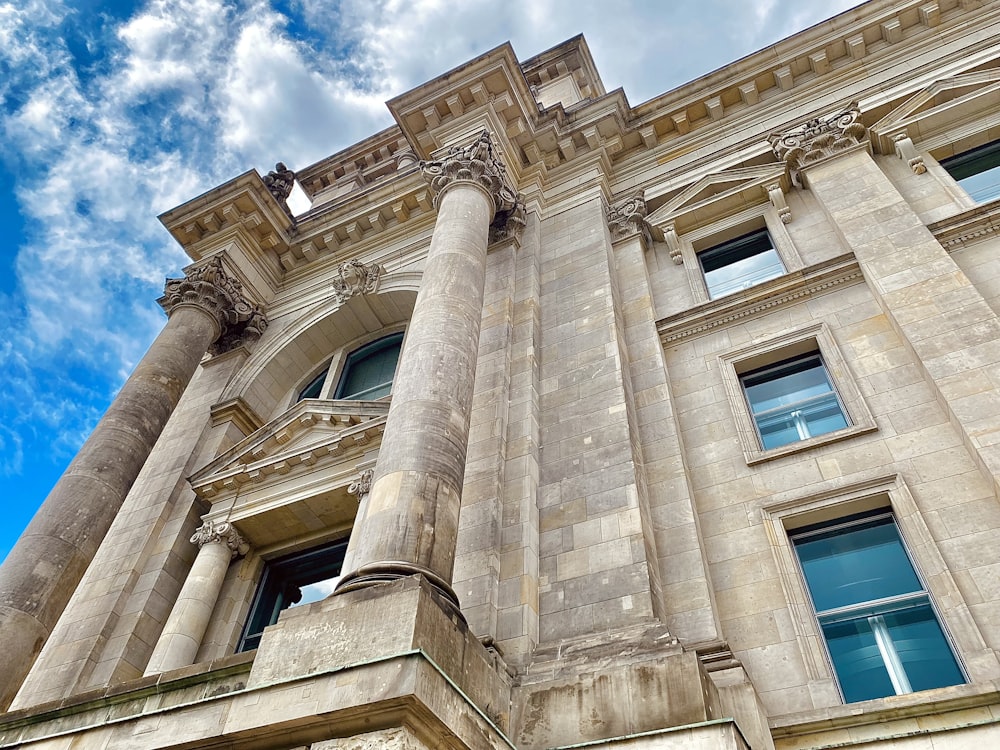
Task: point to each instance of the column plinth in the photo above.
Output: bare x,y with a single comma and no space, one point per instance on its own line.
47,563
409,522
185,627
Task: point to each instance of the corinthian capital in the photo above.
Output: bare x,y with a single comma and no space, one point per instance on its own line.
628,219
478,163
209,288
818,139
220,532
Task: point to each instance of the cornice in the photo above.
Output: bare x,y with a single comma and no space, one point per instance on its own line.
759,299
968,227
279,446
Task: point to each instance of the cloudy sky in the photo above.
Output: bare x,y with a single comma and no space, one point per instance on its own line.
113,111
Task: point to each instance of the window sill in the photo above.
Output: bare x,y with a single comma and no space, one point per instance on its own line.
762,456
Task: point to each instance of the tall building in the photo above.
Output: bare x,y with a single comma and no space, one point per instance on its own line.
673,425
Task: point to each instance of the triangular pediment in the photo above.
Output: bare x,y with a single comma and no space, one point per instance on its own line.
717,195
311,432
941,111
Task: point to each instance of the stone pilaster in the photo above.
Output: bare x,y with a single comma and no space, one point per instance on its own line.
184,630
47,563
409,523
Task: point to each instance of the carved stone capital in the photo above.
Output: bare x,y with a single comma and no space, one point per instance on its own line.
477,163
510,224
279,182
212,290
220,532
362,485
354,277
818,139
628,219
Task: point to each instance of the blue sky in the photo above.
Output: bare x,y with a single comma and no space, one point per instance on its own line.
113,112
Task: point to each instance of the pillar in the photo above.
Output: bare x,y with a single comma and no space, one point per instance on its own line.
45,566
185,627
409,523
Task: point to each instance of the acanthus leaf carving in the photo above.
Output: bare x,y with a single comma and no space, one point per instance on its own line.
220,532
818,139
628,219
362,485
477,162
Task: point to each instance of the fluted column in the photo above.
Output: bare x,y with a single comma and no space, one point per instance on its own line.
409,521
185,628
45,566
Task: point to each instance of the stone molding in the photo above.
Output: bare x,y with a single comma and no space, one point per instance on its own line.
221,532
354,277
627,219
384,739
362,485
209,288
819,139
478,163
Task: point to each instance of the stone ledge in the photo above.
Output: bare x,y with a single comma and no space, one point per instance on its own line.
967,227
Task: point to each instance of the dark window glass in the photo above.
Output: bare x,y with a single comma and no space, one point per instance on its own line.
314,388
793,400
740,263
977,171
297,579
880,629
369,371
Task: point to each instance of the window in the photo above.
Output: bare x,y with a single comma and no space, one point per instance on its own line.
977,171
740,263
367,375
793,400
369,371
881,632
302,578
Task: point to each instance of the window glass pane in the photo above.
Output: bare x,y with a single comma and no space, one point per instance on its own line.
922,648
857,661
977,171
314,388
742,263
861,564
369,371
793,401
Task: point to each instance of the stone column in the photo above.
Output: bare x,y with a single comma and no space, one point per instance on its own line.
410,520
184,630
44,567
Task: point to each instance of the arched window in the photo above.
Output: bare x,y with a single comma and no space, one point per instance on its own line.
369,370
367,374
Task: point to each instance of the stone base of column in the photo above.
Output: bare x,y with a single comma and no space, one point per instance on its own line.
378,573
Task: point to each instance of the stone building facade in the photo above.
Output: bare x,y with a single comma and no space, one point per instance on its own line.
558,421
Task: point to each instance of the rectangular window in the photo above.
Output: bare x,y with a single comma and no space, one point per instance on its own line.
741,263
977,171
302,578
881,632
793,400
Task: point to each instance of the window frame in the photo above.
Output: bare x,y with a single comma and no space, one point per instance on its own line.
734,247
362,353
735,364
334,370
968,156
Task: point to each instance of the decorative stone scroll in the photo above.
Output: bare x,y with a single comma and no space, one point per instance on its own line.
221,532
354,277
908,153
777,197
212,290
279,182
479,163
628,219
362,485
819,139
673,244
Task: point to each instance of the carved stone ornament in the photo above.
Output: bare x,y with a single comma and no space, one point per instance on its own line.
478,163
510,224
354,277
908,153
279,182
819,139
362,485
628,219
673,244
220,532
384,739
211,289
777,197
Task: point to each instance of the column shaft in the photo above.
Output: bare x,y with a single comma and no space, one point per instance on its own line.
410,521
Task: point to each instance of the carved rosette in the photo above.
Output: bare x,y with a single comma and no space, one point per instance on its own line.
209,288
479,163
362,485
354,277
819,139
628,219
220,532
